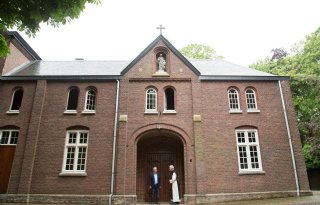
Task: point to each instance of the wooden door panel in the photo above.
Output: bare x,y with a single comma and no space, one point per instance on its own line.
6,160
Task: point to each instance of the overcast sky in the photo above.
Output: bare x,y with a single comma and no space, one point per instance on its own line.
243,31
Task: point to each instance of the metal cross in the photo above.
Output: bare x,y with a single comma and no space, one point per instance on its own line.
161,28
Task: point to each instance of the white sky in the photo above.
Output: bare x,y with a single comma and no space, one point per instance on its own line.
243,31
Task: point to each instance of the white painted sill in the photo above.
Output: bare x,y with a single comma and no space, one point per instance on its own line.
13,112
89,112
151,112
261,172
235,111
253,111
72,174
169,112
70,112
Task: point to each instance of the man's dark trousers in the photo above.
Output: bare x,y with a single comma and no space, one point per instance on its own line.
154,187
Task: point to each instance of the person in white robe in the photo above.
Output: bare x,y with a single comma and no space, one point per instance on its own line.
173,181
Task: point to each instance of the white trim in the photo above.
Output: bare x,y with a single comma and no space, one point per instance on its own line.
70,112
10,111
151,112
9,138
13,112
65,174
255,99
253,172
238,99
169,112
253,110
88,112
76,145
85,110
247,144
155,110
235,111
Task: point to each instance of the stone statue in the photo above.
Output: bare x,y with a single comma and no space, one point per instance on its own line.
161,63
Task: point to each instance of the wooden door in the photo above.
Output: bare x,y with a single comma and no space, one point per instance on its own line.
6,160
161,159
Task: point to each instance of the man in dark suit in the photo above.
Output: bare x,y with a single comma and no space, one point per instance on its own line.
155,185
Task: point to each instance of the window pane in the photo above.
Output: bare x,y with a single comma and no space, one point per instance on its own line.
91,100
241,138
72,138
73,99
81,158
251,100
233,99
251,137
83,138
14,137
70,158
243,158
151,99
169,99
5,137
17,99
254,157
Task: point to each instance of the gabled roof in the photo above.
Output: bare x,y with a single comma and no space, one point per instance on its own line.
151,46
24,44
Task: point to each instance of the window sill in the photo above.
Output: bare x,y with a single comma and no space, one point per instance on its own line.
151,112
252,172
253,111
169,112
89,112
73,174
70,112
13,112
235,111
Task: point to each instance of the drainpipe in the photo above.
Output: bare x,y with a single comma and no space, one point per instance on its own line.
114,143
290,141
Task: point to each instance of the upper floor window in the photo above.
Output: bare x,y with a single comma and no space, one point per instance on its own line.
248,150
233,99
9,137
73,95
75,153
16,100
251,99
151,100
169,99
90,103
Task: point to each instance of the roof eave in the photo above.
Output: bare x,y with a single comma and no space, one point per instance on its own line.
58,78
235,78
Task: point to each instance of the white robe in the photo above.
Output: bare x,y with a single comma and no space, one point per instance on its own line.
175,191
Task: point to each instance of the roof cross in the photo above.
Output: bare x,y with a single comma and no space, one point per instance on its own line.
161,28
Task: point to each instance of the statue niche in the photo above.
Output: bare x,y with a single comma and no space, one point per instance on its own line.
161,64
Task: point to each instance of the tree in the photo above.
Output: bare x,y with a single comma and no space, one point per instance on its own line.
199,51
27,15
303,66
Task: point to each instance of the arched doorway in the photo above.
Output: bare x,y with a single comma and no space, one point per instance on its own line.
159,148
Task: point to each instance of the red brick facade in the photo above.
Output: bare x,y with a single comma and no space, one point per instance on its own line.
202,122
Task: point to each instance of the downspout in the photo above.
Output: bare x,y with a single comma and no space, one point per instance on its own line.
290,141
114,143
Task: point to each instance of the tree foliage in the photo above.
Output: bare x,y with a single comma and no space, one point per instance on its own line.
27,15
303,66
199,51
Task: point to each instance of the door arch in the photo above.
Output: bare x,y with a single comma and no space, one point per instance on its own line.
159,148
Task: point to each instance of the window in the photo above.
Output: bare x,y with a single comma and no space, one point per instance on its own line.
90,99
151,104
169,94
248,150
251,99
73,95
9,137
16,100
75,154
233,99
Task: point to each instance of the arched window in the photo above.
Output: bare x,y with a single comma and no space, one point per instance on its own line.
151,100
73,95
251,99
169,95
233,99
16,100
90,103
9,136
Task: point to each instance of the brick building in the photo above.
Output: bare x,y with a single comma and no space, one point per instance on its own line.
91,131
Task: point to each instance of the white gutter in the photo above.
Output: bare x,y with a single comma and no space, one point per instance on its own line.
114,144
290,141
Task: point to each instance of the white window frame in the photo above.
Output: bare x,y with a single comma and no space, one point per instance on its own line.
255,101
76,145
247,144
234,110
71,111
10,135
87,111
10,111
155,110
166,111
